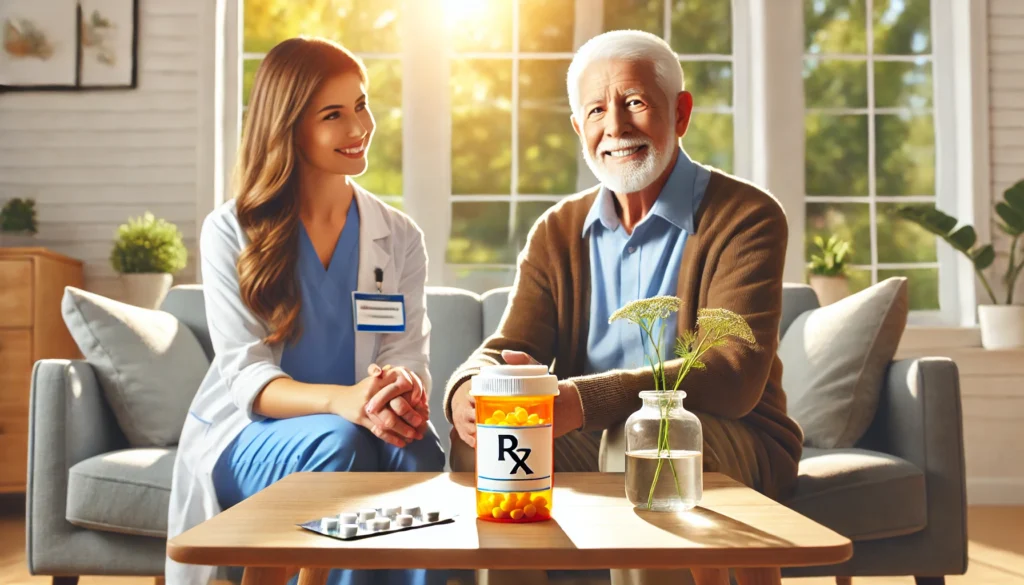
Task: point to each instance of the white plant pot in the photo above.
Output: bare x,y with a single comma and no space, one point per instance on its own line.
830,288
1002,326
17,239
146,290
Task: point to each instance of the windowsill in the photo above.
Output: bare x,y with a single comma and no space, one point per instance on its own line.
963,346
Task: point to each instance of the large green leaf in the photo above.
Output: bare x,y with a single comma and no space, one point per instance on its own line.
930,219
983,257
1015,196
963,239
1014,219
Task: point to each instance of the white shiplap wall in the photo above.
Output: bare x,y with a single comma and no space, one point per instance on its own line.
990,381
93,159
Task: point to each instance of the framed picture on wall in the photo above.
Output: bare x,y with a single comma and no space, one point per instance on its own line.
68,44
108,43
40,44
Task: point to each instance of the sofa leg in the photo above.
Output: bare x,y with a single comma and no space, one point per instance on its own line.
844,580
158,581
930,580
65,581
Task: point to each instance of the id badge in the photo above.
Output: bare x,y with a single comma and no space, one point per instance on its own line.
378,313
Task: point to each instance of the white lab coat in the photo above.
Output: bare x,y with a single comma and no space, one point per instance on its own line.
243,364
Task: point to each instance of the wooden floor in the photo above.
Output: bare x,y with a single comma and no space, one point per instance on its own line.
996,552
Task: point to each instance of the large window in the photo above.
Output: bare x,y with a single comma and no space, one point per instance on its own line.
477,170
870,136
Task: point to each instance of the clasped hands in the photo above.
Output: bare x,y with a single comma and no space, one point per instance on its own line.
392,404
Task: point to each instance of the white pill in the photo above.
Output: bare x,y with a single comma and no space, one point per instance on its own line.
404,520
349,530
329,523
411,510
366,515
348,518
391,511
379,524
433,516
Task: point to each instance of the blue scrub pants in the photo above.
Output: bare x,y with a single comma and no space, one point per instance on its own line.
271,449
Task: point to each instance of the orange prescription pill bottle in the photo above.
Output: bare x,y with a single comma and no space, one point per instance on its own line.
514,442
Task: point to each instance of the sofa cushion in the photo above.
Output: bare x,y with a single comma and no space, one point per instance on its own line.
863,495
148,363
122,491
835,359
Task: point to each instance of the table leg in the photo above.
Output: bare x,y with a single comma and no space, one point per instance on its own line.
265,576
710,576
764,576
313,576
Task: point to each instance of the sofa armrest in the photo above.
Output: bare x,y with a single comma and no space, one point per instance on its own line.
920,420
69,421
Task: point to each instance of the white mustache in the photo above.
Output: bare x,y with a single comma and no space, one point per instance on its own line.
610,145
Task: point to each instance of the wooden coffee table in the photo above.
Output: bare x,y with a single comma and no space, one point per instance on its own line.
593,526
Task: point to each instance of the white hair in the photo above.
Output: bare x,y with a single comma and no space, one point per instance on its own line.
630,45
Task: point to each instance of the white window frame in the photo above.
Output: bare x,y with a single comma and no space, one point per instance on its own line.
767,104
961,158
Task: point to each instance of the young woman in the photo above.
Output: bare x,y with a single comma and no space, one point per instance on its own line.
298,384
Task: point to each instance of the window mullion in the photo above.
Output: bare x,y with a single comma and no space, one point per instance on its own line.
872,152
774,60
426,136
589,23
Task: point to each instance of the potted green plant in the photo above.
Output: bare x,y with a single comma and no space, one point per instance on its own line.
828,269
664,442
18,225
1002,325
147,253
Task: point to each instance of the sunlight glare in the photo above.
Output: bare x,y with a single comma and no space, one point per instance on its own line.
463,12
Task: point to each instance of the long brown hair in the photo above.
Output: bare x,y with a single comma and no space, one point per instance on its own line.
266,198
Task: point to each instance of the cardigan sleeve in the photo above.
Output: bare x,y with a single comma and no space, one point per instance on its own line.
529,323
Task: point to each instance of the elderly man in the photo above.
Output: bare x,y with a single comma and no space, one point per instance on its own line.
659,224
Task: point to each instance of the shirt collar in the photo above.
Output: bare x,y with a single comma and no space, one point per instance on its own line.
675,202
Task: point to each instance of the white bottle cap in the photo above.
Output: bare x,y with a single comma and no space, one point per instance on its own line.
514,381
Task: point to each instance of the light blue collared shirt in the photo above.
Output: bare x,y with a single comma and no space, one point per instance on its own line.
626,267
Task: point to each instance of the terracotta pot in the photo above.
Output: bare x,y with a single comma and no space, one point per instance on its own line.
147,289
830,288
1002,326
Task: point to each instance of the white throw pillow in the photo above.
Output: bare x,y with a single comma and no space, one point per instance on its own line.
148,363
835,360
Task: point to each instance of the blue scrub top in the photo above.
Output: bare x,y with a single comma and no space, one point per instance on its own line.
325,352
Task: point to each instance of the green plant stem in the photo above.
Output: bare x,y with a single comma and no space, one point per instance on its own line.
657,353
1011,271
988,288
685,369
663,443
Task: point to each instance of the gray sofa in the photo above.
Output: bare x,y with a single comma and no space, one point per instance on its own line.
95,507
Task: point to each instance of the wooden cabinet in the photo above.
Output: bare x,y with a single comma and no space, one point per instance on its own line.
32,282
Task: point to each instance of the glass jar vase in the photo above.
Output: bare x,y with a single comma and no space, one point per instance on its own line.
664,454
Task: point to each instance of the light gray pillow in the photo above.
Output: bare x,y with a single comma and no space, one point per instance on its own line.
835,359
148,363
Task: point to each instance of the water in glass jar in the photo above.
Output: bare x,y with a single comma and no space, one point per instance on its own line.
641,467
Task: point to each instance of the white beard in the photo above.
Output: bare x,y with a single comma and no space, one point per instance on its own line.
635,175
